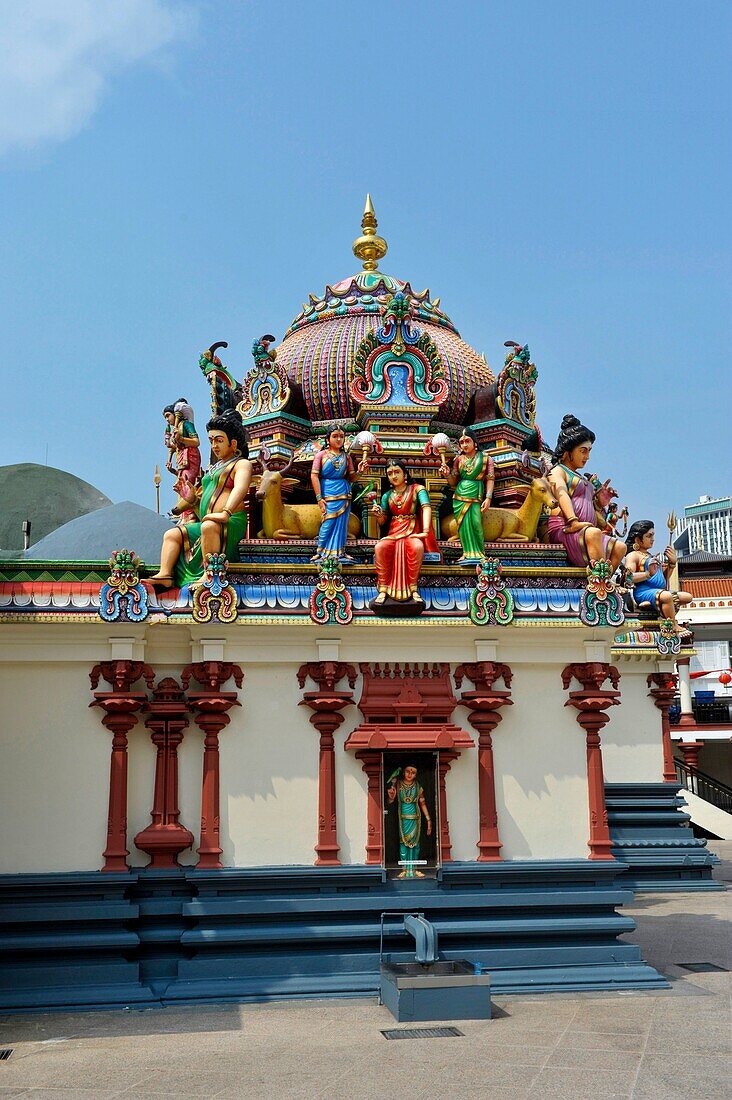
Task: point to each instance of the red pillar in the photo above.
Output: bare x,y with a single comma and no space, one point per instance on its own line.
371,764
690,749
591,703
663,692
210,706
326,704
120,706
444,760
484,704
165,837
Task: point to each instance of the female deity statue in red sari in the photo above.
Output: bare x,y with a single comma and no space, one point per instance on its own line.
398,555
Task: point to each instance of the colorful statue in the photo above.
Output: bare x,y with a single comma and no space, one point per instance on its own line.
650,574
515,385
221,380
579,522
398,555
332,474
266,388
223,508
472,478
404,789
184,457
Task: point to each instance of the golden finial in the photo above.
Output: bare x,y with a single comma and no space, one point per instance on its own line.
369,248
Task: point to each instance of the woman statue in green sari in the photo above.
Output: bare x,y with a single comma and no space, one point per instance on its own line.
223,508
403,788
472,477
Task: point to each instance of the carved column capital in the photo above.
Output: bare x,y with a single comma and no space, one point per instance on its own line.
663,687
485,701
121,674
211,674
483,674
591,674
326,674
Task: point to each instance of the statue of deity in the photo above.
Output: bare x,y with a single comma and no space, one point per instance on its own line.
223,520
650,574
472,477
399,554
579,524
184,457
332,475
403,788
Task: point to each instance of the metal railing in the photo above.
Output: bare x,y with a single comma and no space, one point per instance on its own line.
711,790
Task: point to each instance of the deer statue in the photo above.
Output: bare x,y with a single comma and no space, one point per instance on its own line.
505,524
288,521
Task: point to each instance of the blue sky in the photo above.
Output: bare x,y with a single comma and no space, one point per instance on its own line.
177,173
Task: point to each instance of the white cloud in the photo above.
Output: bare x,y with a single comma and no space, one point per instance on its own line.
58,56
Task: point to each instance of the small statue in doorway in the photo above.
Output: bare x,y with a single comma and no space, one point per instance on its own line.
403,788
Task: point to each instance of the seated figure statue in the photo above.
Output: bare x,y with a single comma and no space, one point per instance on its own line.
650,574
399,554
223,521
579,524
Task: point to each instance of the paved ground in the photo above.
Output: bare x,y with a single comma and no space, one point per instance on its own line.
664,1045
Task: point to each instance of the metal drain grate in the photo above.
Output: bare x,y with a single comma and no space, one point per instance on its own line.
704,968
422,1033
5,1054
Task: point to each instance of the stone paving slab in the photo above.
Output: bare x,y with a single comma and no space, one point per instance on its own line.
671,1043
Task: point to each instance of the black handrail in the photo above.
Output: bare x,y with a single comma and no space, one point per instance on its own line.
711,790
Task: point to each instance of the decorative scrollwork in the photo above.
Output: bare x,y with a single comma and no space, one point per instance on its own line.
601,603
266,389
668,642
491,601
214,600
330,601
398,341
123,598
515,389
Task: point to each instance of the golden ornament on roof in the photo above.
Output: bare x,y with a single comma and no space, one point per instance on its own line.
369,248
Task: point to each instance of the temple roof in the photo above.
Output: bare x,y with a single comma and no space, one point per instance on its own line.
95,536
320,345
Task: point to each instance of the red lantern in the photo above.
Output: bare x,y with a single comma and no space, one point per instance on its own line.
725,678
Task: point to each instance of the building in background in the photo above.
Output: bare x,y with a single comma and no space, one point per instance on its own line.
706,526
703,736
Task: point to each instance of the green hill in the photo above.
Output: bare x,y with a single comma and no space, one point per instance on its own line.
44,495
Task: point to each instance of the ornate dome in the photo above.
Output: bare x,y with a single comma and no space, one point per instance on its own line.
320,346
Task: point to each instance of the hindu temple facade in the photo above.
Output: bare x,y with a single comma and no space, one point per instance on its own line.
216,790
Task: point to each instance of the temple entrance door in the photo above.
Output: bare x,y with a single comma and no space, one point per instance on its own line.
410,783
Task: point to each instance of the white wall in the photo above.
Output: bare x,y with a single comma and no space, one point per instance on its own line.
54,779
541,770
632,745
